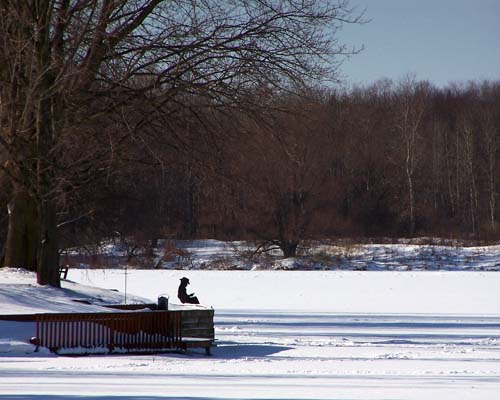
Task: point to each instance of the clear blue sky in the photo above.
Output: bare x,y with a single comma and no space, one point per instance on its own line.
437,40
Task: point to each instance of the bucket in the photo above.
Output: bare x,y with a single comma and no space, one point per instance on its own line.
163,303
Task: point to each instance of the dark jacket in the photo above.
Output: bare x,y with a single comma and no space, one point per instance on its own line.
184,297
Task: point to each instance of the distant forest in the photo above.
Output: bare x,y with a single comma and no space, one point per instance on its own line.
394,159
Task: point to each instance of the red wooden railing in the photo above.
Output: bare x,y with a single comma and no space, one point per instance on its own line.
133,331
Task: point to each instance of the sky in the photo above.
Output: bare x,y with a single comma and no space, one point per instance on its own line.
442,41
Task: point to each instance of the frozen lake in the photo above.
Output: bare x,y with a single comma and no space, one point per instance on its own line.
297,335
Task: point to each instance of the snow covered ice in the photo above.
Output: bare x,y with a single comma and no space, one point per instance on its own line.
281,335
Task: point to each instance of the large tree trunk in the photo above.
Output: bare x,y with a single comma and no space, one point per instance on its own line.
48,260
47,129
48,257
49,114
22,235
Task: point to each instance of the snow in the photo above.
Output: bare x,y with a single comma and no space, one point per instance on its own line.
19,294
280,334
217,255
317,291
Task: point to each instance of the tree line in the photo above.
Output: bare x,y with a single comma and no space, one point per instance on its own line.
393,159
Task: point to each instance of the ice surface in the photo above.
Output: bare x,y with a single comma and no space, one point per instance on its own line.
280,335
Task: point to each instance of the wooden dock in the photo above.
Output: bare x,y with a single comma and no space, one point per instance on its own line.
130,330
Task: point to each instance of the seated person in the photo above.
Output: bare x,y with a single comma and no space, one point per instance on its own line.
184,297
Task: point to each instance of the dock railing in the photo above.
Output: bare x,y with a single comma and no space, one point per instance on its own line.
123,331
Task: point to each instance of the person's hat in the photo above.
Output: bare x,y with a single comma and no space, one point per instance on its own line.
185,280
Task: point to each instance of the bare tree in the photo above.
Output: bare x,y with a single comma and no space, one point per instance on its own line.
488,121
65,63
411,105
468,135
281,166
